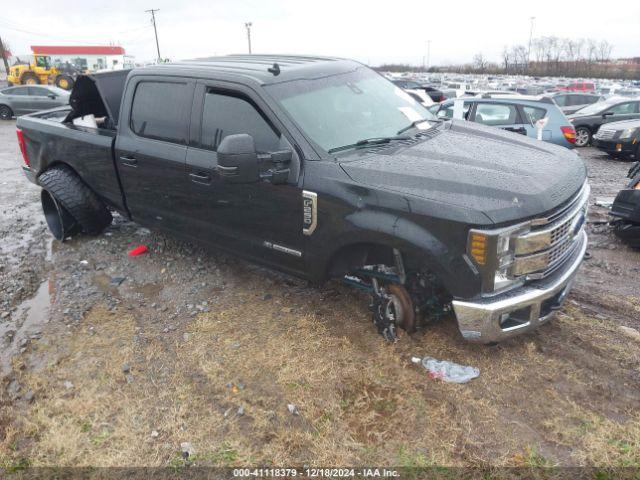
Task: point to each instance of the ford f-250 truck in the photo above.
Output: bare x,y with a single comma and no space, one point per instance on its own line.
321,168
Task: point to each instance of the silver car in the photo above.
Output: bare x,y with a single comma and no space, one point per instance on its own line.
23,99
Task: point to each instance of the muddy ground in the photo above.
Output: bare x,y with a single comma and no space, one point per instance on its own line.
112,360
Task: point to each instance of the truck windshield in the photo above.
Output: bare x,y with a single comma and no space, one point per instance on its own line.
341,110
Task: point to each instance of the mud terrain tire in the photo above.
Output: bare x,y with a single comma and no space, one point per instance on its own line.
77,199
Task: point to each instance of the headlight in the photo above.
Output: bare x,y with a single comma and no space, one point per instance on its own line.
627,133
493,252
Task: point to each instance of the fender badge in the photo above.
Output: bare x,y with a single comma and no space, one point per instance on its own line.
309,212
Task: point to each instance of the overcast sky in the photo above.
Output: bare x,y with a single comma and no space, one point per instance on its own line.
369,31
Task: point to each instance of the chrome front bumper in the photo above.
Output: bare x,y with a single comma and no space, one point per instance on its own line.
506,315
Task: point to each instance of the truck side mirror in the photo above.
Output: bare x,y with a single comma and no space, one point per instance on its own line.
237,159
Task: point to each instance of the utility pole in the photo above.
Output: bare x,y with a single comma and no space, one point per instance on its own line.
4,56
530,37
153,20
428,54
248,27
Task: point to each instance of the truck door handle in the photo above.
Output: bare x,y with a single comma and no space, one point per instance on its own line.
200,177
129,161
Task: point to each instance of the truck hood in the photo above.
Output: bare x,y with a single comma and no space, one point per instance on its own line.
505,176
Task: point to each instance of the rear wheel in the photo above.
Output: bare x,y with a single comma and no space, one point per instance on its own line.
5,112
30,78
69,201
583,137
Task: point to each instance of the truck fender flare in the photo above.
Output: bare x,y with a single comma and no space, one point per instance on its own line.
392,231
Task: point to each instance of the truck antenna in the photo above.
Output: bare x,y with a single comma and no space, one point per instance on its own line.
275,69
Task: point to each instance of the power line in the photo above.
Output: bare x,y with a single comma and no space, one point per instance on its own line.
56,37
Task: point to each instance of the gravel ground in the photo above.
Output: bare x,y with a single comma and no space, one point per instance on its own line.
54,295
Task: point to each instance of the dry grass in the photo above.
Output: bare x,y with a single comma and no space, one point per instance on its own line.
566,395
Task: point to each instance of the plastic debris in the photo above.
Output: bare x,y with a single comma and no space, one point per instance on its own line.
293,410
605,202
139,250
447,371
187,449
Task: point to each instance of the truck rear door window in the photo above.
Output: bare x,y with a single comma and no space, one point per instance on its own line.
160,111
224,115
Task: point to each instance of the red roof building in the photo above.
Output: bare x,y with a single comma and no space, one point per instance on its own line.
76,50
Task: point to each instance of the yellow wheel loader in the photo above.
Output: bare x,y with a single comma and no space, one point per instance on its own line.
39,71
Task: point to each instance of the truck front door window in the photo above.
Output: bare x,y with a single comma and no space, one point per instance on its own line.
160,111
225,115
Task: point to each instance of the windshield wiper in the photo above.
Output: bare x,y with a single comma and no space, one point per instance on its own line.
413,125
369,141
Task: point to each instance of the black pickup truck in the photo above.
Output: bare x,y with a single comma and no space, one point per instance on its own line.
321,168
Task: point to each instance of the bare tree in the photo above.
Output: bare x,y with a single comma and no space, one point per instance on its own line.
506,58
592,50
479,62
521,55
604,50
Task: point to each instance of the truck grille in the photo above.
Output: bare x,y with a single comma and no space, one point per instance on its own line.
551,241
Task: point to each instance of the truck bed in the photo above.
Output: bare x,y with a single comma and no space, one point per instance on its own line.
88,151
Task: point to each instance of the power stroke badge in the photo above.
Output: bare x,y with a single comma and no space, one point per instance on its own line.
309,212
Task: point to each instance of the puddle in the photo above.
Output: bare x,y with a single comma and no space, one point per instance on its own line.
25,321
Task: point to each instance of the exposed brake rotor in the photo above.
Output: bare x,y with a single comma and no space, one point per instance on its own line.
407,316
392,308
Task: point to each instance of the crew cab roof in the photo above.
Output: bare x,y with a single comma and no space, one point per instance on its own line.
259,68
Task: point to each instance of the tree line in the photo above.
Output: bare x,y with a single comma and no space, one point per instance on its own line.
548,56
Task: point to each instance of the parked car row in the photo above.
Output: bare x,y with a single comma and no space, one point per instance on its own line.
524,85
